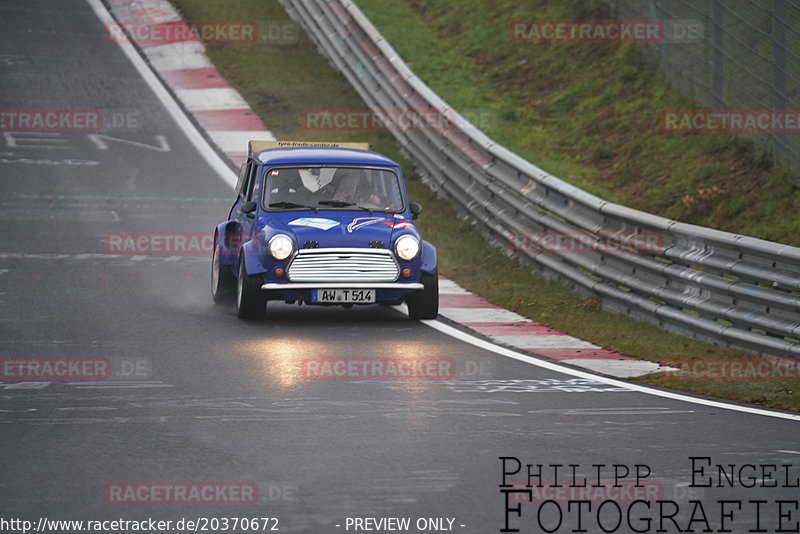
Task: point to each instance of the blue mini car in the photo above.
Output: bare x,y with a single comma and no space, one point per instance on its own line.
322,224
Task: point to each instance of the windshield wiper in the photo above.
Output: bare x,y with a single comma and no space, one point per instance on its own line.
335,203
284,204
343,204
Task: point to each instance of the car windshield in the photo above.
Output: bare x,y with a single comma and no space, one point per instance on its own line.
332,188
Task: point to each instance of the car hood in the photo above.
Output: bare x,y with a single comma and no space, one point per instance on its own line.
340,229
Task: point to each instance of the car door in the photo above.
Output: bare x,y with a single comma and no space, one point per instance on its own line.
248,189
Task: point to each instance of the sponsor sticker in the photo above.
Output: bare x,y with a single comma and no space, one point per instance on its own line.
315,222
361,222
400,225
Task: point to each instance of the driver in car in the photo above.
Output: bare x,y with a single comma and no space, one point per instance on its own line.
354,187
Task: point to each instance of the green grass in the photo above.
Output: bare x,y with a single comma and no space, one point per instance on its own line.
281,82
589,113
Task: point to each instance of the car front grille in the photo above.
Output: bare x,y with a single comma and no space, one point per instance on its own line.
343,265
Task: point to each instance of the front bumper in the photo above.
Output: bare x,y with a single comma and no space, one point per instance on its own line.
341,285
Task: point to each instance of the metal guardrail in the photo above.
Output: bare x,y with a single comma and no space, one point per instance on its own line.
729,289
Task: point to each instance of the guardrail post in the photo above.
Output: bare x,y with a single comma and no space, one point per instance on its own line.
717,64
779,73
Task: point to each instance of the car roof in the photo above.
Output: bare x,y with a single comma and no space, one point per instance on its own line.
322,156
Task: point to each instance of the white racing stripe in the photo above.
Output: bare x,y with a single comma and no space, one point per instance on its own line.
620,368
448,287
545,342
177,56
231,141
482,315
156,11
213,98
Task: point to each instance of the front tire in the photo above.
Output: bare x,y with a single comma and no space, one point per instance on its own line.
251,301
424,304
223,282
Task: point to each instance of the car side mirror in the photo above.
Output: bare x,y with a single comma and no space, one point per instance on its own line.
415,208
249,207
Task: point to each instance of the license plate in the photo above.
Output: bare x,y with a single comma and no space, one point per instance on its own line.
344,296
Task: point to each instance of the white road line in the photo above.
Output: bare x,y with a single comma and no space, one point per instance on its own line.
86,409
99,382
613,411
99,256
125,386
213,159
508,353
27,385
91,256
27,255
790,452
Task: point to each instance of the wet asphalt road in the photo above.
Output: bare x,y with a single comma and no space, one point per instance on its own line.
198,396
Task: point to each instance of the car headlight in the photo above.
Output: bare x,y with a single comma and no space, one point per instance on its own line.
281,246
407,247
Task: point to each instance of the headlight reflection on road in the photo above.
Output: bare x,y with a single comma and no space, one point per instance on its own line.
410,369
281,359
290,361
